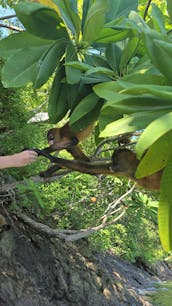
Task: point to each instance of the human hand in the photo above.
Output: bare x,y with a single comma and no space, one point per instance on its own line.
24,158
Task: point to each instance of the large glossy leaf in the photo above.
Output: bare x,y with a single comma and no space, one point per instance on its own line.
160,53
120,8
86,105
22,67
49,61
169,8
120,90
165,209
40,20
153,162
16,42
158,19
113,55
163,92
49,3
73,75
95,20
75,93
100,70
108,35
153,132
57,106
69,16
127,54
127,124
90,117
85,8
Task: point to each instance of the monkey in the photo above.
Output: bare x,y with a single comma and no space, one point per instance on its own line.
123,163
4,226
66,138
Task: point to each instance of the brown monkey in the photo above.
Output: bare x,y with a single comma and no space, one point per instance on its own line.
124,163
66,138
4,226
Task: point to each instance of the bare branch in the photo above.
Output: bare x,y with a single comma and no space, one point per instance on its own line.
73,235
11,27
111,139
147,8
7,17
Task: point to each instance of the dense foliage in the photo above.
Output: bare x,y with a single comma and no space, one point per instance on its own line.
119,73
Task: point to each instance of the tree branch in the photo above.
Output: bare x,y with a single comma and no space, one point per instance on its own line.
73,235
11,27
147,8
7,17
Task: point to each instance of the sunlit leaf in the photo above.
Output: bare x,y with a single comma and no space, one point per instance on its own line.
165,209
94,20
153,132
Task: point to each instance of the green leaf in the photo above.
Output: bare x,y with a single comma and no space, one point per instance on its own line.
163,92
160,53
85,8
128,124
75,93
49,61
57,106
95,20
165,209
24,40
120,8
153,162
69,16
22,67
73,75
127,104
40,20
101,70
153,132
169,8
89,117
94,79
113,55
85,106
108,35
158,19
78,65
128,52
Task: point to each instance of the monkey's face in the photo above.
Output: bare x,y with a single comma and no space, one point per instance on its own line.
53,136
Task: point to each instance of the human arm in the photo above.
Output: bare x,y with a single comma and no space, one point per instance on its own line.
21,159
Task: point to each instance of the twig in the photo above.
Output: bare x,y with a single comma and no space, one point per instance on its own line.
147,8
7,17
11,27
111,139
